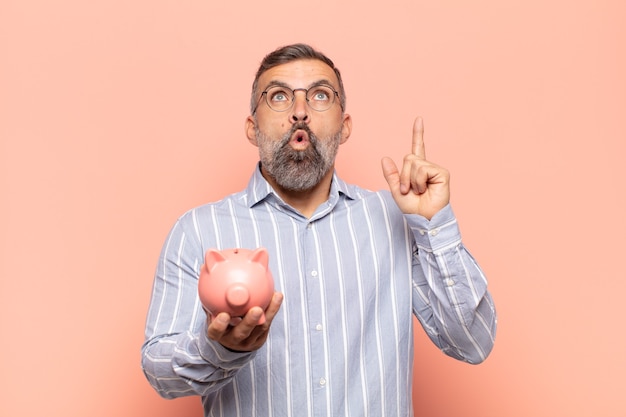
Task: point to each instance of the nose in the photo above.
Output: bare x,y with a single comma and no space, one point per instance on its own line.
300,108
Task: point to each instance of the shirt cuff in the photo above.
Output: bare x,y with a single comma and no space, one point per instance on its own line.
440,233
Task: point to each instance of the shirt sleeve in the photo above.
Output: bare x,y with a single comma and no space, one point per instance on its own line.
450,298
178,358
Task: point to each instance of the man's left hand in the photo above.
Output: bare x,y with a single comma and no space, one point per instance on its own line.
420,187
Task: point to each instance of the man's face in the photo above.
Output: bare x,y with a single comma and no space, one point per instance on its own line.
297,147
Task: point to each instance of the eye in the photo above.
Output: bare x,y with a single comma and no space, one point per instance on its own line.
320,94
279,95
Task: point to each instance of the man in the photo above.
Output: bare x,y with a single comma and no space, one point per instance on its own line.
351,267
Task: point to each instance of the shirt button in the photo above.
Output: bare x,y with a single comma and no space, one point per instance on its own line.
313,273
434,232
318,327
449,282
322,381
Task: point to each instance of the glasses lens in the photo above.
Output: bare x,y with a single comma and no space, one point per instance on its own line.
279,98
321,97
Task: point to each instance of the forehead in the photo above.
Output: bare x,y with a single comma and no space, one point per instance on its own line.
299,74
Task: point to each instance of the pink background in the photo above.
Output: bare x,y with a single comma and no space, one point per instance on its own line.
117,116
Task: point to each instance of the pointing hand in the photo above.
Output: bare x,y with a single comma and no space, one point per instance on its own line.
420,187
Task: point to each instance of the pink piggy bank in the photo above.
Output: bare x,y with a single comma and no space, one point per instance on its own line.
235,280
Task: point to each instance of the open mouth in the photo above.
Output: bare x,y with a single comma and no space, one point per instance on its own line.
300,137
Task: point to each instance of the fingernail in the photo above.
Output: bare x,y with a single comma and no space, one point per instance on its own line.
256,313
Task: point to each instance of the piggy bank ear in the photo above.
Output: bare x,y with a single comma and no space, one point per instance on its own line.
259,255
212,257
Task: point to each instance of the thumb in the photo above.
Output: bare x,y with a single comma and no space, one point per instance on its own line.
391,174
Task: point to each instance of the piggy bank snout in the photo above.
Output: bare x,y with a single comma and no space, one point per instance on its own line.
237,295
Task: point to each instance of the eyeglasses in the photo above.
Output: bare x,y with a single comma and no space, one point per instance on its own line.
280,98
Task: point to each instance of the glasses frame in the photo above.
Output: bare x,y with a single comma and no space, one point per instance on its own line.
293,97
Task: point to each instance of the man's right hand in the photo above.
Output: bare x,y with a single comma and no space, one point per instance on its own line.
247,335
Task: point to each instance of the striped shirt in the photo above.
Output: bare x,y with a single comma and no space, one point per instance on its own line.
353,275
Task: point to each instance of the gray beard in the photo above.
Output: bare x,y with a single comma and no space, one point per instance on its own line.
297,170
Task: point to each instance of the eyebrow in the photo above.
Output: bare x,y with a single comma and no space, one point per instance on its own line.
276,83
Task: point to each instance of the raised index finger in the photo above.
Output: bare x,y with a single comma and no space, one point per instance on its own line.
418,149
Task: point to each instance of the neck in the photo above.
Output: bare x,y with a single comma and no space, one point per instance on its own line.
306,201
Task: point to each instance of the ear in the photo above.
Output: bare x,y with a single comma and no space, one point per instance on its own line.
261,256
212,257
251,130
346,128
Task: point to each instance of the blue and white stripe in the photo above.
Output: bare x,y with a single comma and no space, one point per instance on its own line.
352,276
